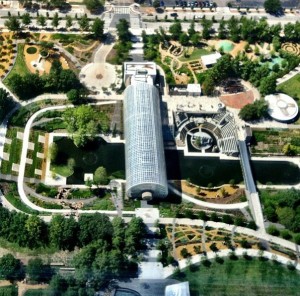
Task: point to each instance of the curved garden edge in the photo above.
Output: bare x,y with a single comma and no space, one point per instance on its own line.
184,263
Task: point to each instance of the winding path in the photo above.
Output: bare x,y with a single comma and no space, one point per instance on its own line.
208,205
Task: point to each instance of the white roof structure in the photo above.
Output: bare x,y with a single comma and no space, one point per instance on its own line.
282,107
194,88
210,59
139,68
181,289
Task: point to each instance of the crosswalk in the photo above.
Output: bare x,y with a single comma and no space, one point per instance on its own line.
110,25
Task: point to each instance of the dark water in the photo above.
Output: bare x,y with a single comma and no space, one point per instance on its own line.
88,159
201,170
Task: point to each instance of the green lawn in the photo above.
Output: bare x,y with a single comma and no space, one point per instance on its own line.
36,292
20,64
9,291
62,170
241,277
291,87
195,54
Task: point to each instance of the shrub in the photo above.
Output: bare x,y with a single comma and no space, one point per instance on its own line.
273,230
31,50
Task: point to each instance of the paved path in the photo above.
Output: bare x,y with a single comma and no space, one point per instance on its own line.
208,204
20,182
260,235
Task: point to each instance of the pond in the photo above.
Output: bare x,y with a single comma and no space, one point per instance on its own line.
201,170
226,46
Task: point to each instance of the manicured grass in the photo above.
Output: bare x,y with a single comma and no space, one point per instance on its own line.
196,54
14,150
36,161
17,203
241,277
62,170
20,64
103,203
36,292
9,291
291,87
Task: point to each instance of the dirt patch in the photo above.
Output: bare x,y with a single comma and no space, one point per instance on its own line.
238,101
35,63
5,283
213,195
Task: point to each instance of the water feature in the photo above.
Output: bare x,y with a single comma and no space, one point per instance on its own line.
201,170
89,158
226,46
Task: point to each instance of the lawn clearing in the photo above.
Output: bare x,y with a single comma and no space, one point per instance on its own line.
20,64
291,87
241,277
196,54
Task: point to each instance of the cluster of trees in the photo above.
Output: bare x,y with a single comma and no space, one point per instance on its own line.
31,85
109,249
124,43
61,233
255,111
12,269
283,207
242,67
15,23
92,5
82,124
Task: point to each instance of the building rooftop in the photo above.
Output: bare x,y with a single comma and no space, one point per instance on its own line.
210,59
282,107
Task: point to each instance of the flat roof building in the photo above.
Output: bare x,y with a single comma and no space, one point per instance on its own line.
144,151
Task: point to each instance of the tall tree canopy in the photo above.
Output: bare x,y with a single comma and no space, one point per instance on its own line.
82,124
273,6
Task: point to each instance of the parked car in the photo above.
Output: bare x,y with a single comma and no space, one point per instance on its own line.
174,14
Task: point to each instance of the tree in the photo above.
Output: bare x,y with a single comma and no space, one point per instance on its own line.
53,150
37,271
255,111
35,229
124,34
273,6
289,150
175,30
273,230
26,19
69,21
208,85
10,268
100,176
84,23
184,39
6,103
184,253
98,28
156,4
268,85
13,24
95,227
55,20
41,20
82,124
93,5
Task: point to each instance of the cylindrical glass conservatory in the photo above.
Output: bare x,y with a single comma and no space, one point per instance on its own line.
144,151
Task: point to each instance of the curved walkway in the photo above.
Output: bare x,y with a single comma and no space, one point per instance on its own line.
21,190
209,205
169,270
243,230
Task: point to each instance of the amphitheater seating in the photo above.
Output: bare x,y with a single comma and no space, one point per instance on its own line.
186,129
